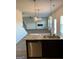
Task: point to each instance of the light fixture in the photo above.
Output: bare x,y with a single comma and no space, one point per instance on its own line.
36,17
50,8
50,17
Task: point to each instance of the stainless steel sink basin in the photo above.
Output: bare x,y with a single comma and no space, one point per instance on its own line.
49,36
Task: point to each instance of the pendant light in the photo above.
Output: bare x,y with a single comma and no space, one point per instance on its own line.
35,17
50,9
50,18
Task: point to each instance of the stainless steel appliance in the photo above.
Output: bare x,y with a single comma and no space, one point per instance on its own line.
34,49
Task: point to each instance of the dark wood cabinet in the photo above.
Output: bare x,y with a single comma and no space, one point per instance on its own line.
44,49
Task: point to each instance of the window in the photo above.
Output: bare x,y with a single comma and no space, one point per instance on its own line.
55,29
61,25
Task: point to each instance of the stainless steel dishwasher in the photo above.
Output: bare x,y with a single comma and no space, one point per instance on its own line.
34,49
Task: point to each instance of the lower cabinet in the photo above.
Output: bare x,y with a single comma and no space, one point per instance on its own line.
44,49
45,58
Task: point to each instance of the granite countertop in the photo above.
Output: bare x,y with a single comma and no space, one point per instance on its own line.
39,37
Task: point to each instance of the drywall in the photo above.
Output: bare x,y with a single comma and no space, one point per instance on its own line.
57,14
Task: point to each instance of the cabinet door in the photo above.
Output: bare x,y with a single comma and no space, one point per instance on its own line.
52,49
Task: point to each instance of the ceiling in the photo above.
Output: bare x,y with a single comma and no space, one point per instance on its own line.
28,9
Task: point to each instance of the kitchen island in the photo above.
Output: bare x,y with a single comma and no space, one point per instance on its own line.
38,47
